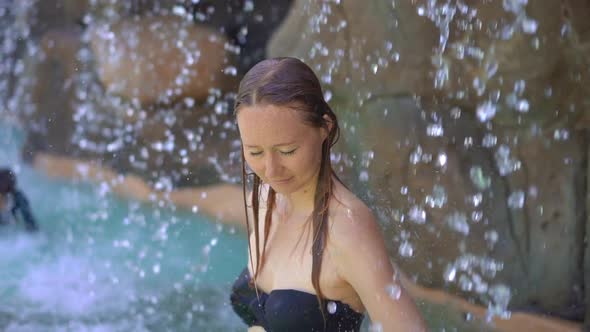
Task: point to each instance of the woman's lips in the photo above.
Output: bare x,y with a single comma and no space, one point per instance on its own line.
281,181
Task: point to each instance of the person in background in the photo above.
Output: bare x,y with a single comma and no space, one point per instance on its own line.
14,206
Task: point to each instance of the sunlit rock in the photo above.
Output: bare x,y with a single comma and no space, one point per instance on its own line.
518,56
352,53
160,59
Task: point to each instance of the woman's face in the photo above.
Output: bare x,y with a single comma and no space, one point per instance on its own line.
280,148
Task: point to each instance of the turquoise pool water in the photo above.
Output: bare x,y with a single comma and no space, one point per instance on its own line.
100,263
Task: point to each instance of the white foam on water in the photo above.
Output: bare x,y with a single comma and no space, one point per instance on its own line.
75,286
78,327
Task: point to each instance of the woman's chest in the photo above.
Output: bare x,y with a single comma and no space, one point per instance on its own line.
288,262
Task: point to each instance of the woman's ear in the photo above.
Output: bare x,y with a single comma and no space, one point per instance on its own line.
325,130
329,122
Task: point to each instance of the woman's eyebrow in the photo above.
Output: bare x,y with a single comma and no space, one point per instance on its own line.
276,145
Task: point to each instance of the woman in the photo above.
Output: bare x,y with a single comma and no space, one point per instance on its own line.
317,260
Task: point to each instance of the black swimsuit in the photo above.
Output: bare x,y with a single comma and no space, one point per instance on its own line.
286,310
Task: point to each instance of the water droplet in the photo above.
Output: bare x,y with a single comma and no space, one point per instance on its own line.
435,130
486,111
156,268
480,181
491,237
332,307
248,5
441,160
458,222
374,68
489,140
364,176
522,106
519,87
479,85
476,216
406,249
376,327
179,10
500,295
349,213
529,26
416,155
465,283
438,198
516,199
533,192
230,70
561,134
491,68
514,6
417,214
507,32
450,273
504,162
394,291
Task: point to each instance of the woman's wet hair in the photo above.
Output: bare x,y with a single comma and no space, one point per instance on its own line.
290,82
7,181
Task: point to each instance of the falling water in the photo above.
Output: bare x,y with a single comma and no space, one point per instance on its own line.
445,157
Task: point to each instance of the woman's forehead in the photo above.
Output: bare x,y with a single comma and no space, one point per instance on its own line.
271,125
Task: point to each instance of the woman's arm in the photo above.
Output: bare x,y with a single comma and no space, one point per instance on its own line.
128,186
364,263
518,321
223,202
366,266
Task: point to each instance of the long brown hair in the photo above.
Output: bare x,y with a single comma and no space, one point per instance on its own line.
290,82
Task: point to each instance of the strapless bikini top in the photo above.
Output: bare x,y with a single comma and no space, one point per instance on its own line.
290,310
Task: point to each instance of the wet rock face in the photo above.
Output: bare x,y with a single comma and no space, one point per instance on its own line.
140,89
516,55
161,59
50,123
183,147
443,204
479,181
180,144
354,56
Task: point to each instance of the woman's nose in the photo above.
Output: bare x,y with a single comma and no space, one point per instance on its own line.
272,166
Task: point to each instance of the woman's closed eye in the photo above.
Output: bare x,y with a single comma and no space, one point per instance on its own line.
259,153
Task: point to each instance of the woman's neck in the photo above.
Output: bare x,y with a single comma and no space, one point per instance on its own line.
299,203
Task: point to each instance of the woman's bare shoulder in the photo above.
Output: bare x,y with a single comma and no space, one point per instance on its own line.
350,217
